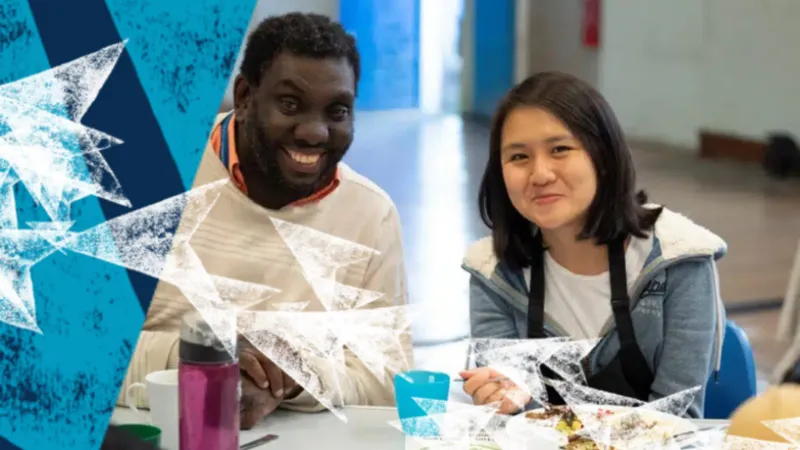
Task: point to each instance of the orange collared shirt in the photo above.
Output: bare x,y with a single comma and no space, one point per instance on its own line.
236,172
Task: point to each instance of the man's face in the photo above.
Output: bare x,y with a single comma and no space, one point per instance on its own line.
298,123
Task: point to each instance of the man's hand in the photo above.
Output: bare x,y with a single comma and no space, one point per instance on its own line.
480,384
256,403
264,373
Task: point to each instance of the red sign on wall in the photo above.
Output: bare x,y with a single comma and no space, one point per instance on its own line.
591,23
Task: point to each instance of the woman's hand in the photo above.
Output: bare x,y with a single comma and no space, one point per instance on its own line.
486,386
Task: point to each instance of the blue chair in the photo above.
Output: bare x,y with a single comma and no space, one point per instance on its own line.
737,376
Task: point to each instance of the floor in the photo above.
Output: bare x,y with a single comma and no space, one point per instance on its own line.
431,166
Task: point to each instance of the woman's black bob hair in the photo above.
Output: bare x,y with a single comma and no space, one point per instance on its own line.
617,210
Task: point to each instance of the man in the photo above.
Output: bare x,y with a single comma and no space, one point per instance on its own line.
281,147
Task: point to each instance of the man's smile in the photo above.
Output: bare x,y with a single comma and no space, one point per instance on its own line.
306,160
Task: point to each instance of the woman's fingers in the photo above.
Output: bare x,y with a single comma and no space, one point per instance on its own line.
478,378
488,393
515,399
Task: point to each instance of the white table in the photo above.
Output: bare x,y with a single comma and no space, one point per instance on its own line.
367,428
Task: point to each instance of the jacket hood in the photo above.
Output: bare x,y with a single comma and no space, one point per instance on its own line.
678,237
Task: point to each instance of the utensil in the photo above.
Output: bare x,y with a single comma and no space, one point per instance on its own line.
259,442
685,439
490,380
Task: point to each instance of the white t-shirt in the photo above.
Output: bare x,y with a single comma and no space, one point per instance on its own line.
581,304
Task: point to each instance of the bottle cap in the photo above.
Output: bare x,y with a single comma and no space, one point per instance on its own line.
199,343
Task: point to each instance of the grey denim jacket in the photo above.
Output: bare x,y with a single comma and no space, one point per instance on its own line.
677,312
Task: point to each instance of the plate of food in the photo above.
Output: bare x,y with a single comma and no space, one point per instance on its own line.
453,444
579,427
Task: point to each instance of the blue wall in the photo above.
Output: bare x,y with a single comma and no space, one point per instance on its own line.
387,33
493,34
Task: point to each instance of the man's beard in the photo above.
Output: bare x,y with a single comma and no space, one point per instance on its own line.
265,154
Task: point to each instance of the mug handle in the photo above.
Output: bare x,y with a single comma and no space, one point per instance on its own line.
131,403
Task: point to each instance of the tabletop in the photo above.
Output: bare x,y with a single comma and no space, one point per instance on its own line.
367,428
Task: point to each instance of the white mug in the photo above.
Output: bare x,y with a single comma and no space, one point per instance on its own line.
162,394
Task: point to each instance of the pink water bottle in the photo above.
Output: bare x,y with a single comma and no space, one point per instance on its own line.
208,389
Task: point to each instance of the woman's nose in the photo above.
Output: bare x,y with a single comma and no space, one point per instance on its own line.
541,172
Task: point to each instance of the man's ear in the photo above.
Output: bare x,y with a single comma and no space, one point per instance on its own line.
242,94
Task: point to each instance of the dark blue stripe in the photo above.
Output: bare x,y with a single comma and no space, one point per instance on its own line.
143,164
6,445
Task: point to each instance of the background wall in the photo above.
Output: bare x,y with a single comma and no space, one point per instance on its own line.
553,39
671,68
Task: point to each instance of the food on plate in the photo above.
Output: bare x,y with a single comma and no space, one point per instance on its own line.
584,444
625,426
564,418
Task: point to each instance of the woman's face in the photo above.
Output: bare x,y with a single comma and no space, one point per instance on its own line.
549,175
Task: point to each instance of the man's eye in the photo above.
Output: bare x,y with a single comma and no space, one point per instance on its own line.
289,104
339,112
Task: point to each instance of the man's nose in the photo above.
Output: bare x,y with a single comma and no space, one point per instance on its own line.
312,132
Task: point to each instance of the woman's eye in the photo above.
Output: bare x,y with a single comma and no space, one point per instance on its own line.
561,148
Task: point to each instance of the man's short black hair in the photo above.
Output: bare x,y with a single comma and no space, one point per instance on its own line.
309,35
617,209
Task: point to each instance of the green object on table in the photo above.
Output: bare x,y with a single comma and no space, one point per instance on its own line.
146,433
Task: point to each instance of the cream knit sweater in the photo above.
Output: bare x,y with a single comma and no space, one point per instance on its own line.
237,240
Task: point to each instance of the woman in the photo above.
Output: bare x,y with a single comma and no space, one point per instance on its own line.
569,234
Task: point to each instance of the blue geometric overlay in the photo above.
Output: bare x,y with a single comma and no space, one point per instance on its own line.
58,388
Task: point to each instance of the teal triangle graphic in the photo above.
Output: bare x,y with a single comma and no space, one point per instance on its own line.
184,52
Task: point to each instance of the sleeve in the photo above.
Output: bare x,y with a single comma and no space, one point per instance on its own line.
489,315
386,273
491,318
690,323
155,350
157,347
